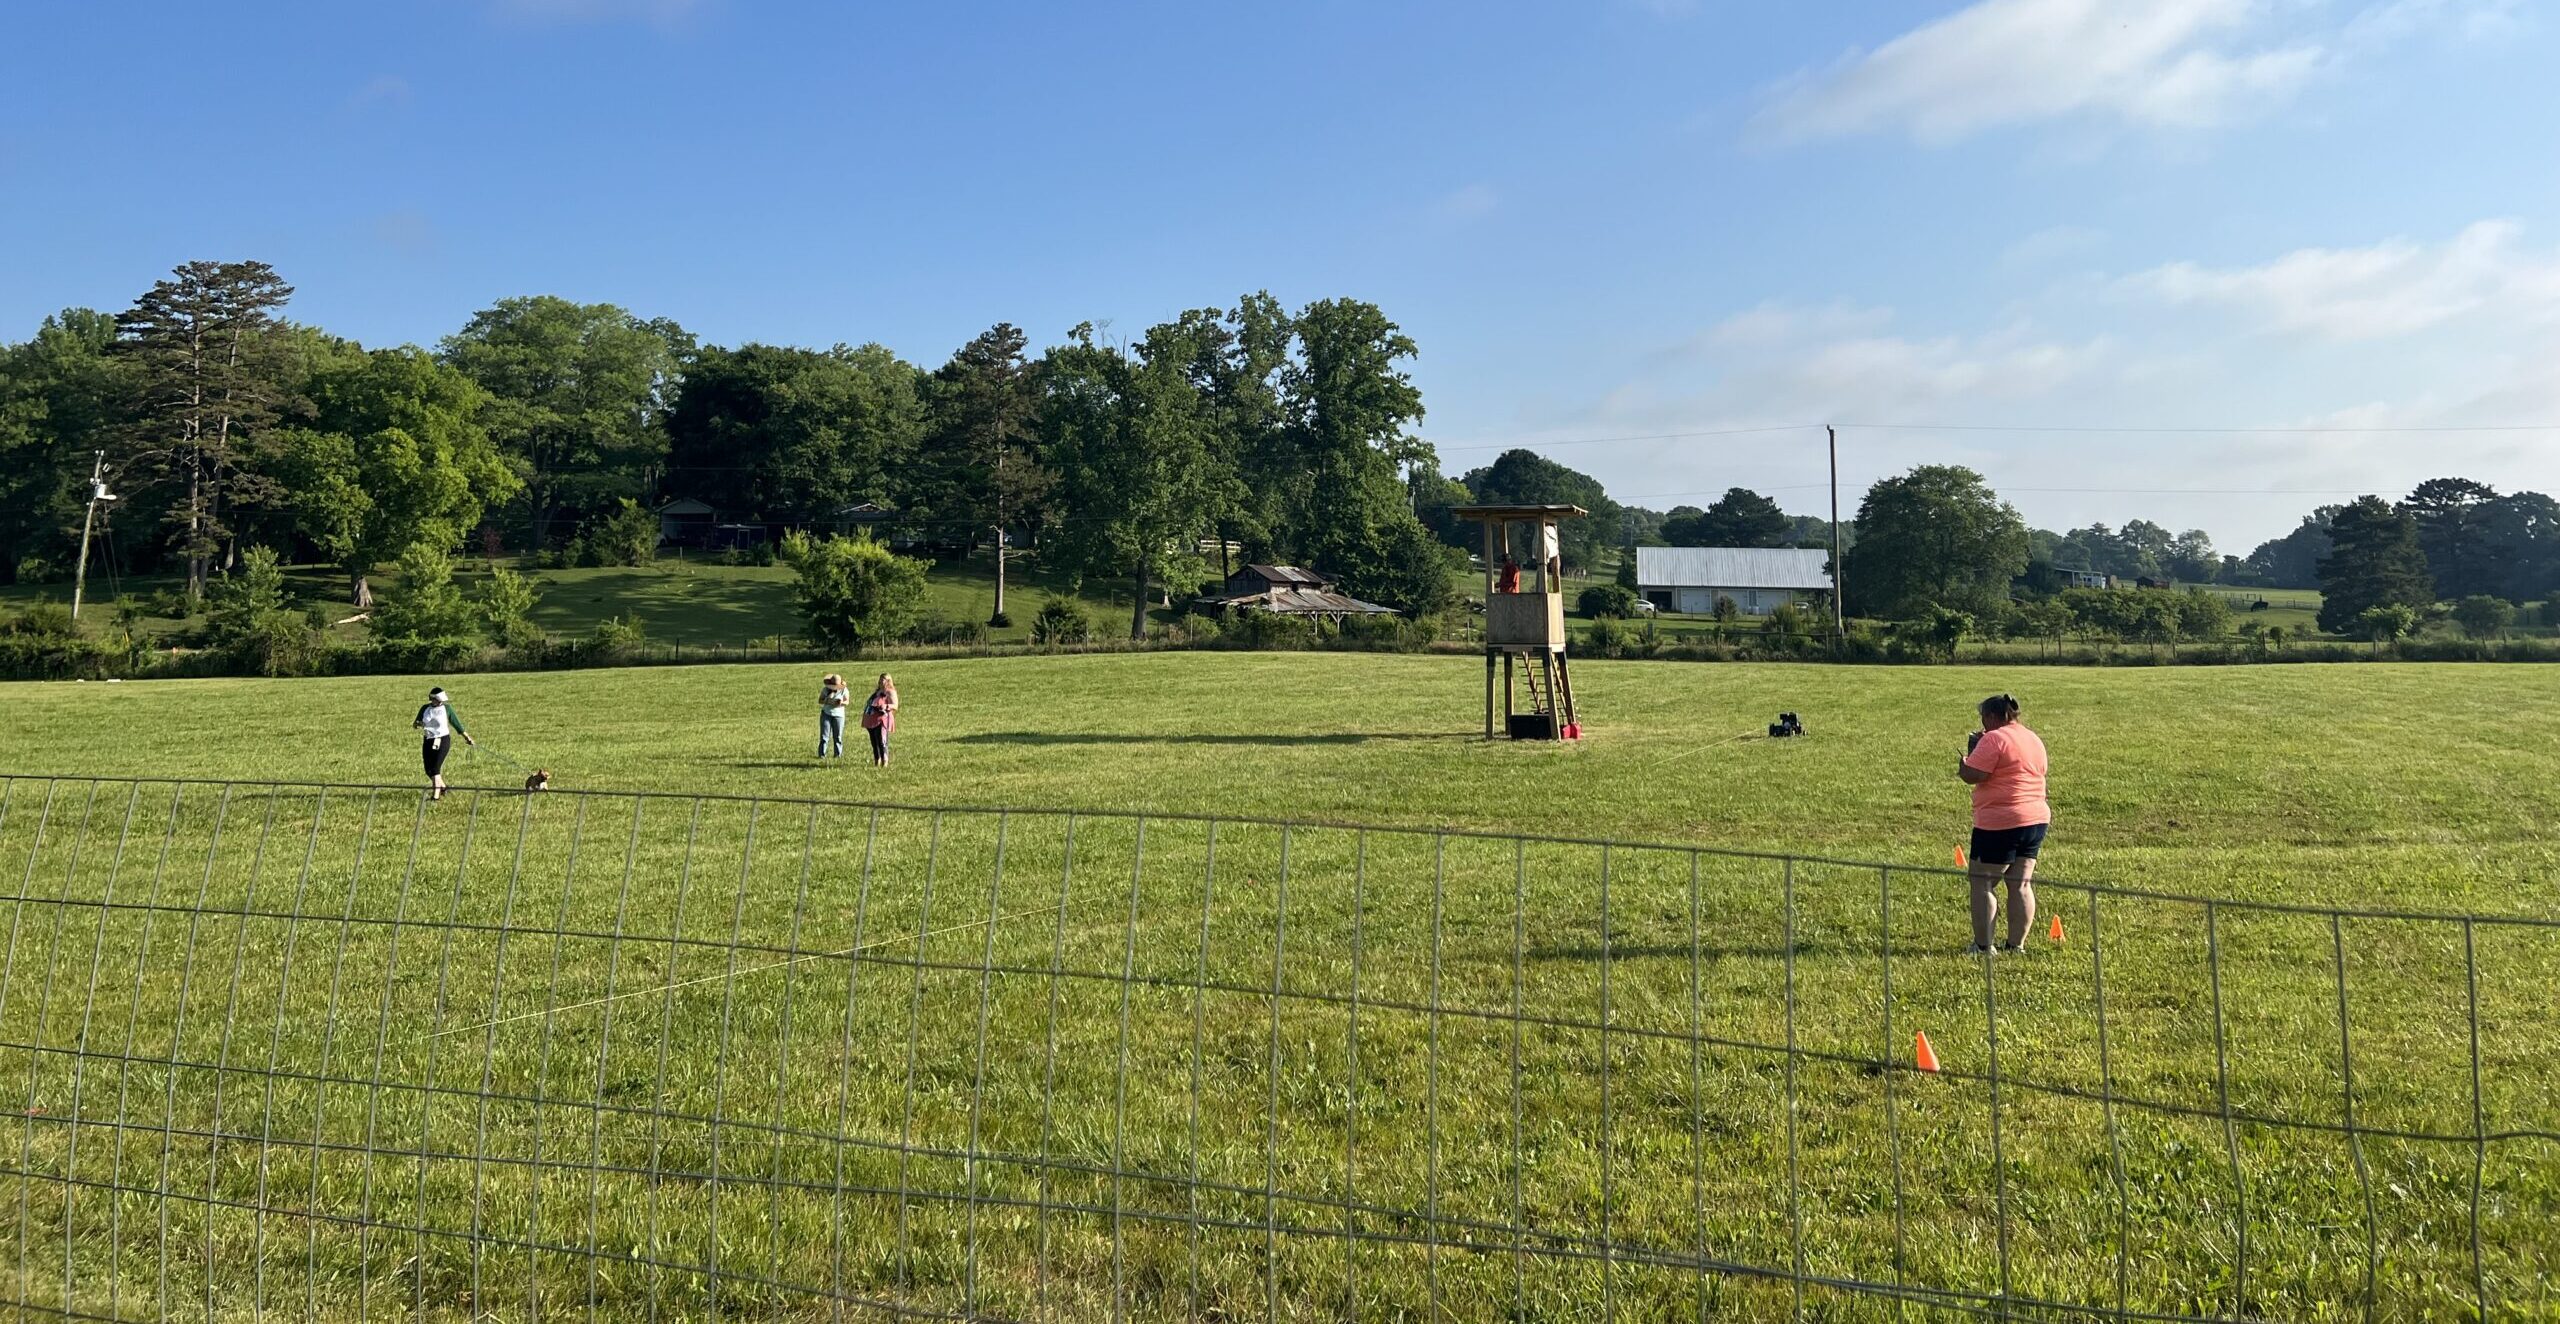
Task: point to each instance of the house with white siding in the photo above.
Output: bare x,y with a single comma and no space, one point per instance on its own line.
1758,579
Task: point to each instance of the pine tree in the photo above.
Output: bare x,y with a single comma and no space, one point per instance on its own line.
2373,561
209,375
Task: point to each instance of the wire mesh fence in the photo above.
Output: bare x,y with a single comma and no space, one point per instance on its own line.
339,1052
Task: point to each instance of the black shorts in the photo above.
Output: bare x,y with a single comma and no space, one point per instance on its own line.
2007,845
433,751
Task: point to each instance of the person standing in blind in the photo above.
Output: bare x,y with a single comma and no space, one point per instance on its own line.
438,723
2004,763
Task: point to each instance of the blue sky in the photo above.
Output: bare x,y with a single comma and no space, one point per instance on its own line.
1612,219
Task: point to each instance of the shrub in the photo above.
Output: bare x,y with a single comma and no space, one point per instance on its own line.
2484,617
1726,612
1605,637
628,536
251,623
853,591
1601,601
505,602
2387,622
37,570
1062,621
934,628
2203,615
1788,619
425,621
1933,635
45,618
1199,627
169,603
618,638
1263,629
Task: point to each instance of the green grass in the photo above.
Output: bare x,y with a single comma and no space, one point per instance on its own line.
2374,785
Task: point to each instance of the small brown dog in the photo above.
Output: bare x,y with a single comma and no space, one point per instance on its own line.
538,780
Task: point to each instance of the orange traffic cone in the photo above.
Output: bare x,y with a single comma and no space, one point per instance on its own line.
1959,857
1922,1055
2056,932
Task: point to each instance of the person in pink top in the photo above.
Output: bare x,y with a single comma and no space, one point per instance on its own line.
2004,763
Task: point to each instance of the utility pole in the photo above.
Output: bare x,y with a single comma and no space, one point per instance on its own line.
1839,576
97,492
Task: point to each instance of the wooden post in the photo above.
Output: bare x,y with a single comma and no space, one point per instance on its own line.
1564,688
1488,694
1555,706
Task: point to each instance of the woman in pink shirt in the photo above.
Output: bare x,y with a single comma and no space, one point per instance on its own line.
2004,763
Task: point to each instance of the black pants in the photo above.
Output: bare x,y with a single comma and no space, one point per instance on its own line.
433,753
879,743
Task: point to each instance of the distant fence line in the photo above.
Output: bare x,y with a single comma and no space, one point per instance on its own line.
335,1050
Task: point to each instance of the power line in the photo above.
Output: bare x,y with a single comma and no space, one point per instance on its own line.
1652,436
2204,431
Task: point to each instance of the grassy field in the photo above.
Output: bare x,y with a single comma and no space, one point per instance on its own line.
1514,1052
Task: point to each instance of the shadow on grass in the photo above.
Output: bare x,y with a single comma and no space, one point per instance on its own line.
1204,738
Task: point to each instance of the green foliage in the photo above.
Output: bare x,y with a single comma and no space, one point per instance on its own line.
628,536
1526,478
853,592
1136,455
426,621
251,620
2374,561
1626,576
506,601
2484,617
2203,615
45,618
1739,518
1935,633
1936,536
577,392
1789,619
2387,622
618,638
788,434
1725,612
1606,636
397,454
1264,629
1605,600
1062,621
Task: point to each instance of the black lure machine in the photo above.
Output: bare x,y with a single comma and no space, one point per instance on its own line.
1785,727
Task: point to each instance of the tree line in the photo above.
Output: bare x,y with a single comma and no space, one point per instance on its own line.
554,427
546,425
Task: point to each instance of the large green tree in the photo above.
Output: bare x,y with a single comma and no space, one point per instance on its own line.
1348,402
2453,517
789,435
1133,445
2522,530
980,470
1524,477
210,374
577,396
396,454
1739,518
62,396
2374,561
1936,536
2293,561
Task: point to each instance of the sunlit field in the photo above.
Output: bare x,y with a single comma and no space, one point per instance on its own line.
505,1055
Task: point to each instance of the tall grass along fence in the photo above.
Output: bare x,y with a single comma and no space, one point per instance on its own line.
337,1052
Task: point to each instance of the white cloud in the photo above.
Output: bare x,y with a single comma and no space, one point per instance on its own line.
2393,288
2160,62
2178,64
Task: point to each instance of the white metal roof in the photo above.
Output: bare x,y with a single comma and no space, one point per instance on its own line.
1732,567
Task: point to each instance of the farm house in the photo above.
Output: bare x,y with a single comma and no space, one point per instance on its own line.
1286,590
1758,579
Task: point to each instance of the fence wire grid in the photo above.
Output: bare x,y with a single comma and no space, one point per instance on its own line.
341,1052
